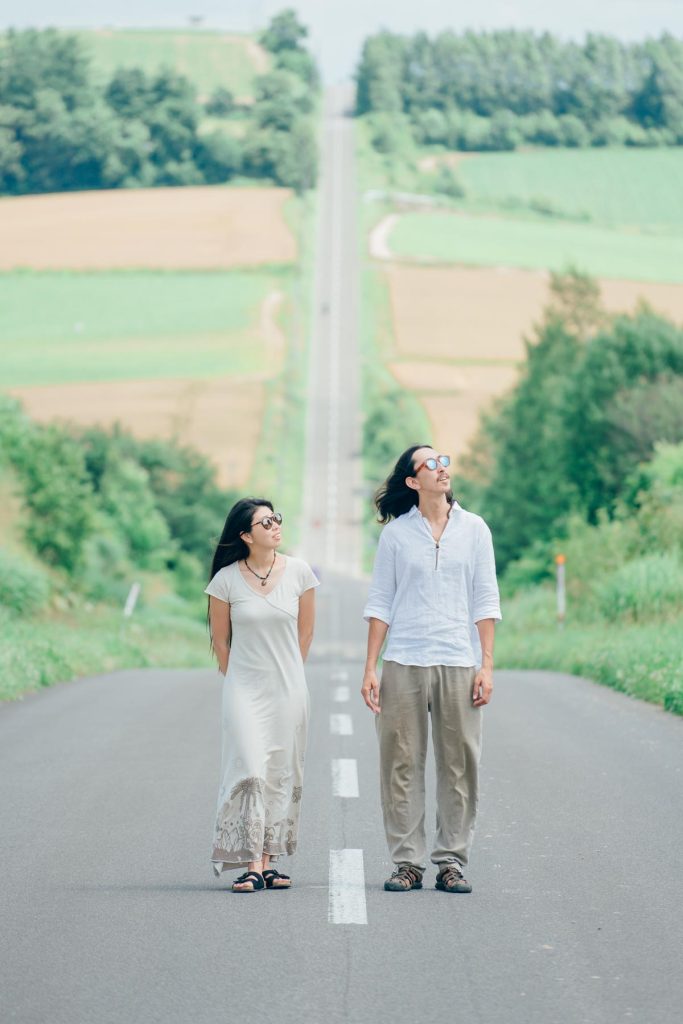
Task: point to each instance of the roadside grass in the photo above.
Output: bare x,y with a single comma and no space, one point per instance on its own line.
641,660
59,327
612,186
36,653
550,245
208,58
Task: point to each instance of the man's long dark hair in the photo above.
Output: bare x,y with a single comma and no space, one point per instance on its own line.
231,547
394,497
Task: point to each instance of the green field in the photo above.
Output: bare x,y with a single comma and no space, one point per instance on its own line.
611,186
642,660
59,327
537,244
209,59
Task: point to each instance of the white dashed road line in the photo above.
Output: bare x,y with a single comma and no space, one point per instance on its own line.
347,888
341,725
341,694
344,777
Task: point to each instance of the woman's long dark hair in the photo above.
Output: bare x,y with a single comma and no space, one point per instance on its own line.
394,497
231,547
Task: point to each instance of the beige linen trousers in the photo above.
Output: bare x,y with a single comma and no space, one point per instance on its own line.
409,695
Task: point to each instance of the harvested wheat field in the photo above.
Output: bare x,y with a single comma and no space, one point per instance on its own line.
221,417
482,314
454,420
207,228
454,397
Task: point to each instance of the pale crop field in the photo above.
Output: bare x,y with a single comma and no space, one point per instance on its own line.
208,59
67,327
542,244
466,313
208,227
220,416
617,186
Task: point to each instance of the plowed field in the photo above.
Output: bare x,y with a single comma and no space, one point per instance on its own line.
220,417
210,228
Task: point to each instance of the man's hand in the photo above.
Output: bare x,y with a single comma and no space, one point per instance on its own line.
370,690
483,687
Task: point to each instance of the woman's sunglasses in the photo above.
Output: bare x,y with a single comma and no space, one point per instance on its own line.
267,521
440,460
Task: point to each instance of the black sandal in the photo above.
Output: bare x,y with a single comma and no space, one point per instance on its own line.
249,876
271,876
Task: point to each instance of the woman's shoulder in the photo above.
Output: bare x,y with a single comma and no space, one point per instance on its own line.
301,570
219,584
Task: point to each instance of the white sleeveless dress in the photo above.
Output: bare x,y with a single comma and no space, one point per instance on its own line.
264,717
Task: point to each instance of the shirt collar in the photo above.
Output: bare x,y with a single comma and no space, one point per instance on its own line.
415,510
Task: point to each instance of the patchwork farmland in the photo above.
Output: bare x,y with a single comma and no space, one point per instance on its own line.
461,287
166,311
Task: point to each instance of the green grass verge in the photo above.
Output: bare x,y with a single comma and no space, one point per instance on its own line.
612,185
38,654
66,326
640,660
552,244
209,59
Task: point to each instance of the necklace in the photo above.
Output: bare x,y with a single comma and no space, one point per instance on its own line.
264,579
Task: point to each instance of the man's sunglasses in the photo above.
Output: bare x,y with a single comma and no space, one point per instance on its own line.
267,521
431,463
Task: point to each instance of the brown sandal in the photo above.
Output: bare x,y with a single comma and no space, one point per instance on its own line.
451,879
405,877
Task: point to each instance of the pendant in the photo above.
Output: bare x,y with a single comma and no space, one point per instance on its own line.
263,582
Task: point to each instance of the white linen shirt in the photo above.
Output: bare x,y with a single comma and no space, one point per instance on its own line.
431,594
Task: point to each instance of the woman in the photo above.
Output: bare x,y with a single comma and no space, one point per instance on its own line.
261,615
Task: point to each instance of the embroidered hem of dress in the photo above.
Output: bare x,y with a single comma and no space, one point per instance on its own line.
228,860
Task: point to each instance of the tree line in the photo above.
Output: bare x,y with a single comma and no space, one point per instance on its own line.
61,131
100,506
496,90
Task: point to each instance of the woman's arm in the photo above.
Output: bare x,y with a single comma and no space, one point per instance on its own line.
306,621
221,631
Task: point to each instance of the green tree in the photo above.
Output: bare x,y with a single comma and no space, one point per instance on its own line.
616,375
285,32
218,157
58,496
221,102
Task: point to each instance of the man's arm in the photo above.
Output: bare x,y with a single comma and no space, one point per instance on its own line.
377,614
377,631
483,681
486,612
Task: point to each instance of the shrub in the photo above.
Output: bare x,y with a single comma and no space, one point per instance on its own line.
221,102
219,157
646,588
24,586
447,183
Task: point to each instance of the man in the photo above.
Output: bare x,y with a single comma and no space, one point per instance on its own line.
434,592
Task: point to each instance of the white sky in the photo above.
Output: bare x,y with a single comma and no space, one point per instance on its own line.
339,26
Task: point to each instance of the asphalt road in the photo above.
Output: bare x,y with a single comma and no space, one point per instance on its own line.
111,912
334,493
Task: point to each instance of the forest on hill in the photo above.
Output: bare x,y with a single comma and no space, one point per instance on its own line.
63,129
499,90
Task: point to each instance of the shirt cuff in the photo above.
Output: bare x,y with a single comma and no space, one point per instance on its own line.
487,613
383,614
